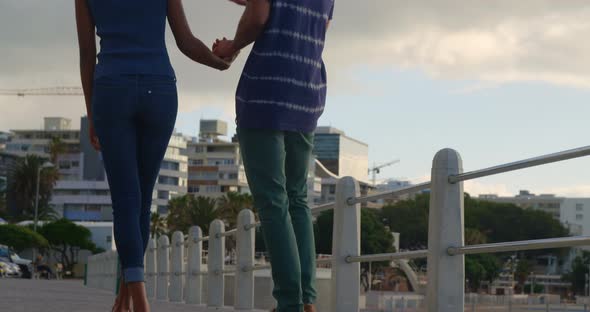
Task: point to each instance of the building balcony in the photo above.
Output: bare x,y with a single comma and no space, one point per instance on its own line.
81,199
174,173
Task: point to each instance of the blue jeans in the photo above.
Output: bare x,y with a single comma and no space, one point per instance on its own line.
134,117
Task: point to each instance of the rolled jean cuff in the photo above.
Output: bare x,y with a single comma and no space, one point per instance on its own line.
133,275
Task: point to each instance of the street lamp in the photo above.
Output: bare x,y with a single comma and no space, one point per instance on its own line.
39,169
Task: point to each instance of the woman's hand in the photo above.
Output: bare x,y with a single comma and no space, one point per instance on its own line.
93,137
225,49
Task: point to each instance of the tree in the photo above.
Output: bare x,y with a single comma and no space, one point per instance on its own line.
231,204
3,205
56,148
67,238
523,270
578,274
474,237
23,185
479,268
375,237
498,222
187,211
157,225
410,218
20,238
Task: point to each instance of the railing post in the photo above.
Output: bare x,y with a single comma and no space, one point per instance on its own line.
216,264
346,242
194,283
163,268
244,281
446,274
150,266
177,265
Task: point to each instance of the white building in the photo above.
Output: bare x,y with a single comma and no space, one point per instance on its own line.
82,193
575,213
38,142
215,165
83,200
173,178
545,202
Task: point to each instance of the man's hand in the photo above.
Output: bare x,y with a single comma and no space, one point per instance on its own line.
225,49
240,2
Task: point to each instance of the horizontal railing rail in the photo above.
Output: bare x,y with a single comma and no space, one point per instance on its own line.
390,194
523,164
406,255
170,278
549,243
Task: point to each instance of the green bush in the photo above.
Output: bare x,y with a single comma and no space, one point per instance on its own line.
20,238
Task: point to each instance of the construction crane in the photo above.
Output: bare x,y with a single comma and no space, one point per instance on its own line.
377,169
58,91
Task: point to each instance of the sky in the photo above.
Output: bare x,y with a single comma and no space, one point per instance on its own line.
498,80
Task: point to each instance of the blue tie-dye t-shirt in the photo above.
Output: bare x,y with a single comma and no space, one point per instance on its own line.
283,85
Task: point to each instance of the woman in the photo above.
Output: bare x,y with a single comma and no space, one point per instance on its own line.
131,103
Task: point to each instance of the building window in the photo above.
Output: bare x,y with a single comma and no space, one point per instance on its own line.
199,149
233,176
163,195
212,189
169,165
579,217
579,207
168,180
193,189
332,189
196,162
162,209
109,239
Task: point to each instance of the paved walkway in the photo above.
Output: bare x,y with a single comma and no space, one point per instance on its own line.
23,295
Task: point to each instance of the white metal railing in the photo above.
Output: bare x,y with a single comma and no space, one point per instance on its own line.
168,277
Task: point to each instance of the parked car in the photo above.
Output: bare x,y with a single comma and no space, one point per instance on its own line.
25,266
10,269
3,269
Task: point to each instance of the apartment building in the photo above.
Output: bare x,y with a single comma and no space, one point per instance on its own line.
214,165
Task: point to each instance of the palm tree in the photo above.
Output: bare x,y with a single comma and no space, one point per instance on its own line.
202,212
157,225
56,148
231,204
22,186
187,211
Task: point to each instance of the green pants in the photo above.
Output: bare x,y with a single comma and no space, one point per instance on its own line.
276,164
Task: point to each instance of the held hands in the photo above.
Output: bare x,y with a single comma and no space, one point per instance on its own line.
225,50
93,137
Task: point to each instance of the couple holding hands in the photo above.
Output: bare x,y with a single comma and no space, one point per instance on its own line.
131,101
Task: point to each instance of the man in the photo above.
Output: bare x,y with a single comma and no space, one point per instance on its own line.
281,95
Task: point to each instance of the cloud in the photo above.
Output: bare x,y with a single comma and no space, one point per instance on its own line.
484,42
580,190
475,188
